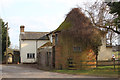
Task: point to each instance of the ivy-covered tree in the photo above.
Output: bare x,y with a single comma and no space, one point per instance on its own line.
4,33
79,27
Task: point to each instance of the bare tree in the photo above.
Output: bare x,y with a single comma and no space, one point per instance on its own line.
100,16
111,38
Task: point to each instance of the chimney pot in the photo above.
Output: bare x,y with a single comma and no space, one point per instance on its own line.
22,28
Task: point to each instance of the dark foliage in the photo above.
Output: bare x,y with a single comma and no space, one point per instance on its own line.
4,32
115,9
82,30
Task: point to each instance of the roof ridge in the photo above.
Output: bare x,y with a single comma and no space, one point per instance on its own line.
34,36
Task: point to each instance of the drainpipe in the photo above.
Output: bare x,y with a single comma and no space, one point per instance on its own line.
36,50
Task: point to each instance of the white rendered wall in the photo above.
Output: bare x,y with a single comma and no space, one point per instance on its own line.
30,46
27,46
105,53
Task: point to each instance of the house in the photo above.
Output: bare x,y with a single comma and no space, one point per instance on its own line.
106,51
71,47
46,53
29,43
10,56
116,48
45,56
13,56
71,43
116,51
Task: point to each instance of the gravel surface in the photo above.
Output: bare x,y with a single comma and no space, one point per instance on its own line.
30,71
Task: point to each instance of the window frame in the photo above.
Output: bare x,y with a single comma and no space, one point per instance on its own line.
77,49
30,55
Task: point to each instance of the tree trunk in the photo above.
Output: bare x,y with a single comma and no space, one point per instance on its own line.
96,60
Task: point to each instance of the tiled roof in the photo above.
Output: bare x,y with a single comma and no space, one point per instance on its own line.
46,44
34,36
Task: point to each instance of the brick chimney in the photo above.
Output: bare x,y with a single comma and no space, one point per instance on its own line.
22,28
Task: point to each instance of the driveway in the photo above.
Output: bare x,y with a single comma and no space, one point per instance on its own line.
16,71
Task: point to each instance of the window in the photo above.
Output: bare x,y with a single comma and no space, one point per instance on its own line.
76,49
56,38
30,55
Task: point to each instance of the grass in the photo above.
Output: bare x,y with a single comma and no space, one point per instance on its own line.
108,67
105,71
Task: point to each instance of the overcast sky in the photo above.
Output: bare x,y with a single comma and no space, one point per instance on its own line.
35,15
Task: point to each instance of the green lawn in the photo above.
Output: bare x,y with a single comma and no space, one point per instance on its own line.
105,71
108,67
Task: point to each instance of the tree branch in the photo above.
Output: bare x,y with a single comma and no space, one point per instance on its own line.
102,26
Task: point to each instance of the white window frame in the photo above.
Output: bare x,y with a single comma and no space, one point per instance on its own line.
30,55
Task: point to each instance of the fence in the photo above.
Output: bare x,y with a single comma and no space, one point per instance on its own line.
107,64
110,64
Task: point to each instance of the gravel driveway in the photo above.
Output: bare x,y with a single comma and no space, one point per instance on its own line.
18,71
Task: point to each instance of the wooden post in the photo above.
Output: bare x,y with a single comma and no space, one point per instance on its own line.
7,44
113,57
96,60
114,63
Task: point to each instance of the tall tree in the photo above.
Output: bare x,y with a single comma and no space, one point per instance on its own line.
99,14
4,32
115,10
0,40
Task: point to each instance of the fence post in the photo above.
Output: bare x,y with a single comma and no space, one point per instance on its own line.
114,63
113,58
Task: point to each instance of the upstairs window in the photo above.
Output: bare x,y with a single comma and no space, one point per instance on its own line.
30,55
